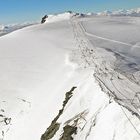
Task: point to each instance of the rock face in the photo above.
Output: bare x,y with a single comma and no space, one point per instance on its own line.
44,19
68,132
54,127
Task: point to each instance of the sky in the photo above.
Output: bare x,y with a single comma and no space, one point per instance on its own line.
17,11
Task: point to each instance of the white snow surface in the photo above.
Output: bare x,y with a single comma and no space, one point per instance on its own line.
5,29
40,63
59,17
121,12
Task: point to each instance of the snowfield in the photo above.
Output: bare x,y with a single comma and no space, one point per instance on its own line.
71,78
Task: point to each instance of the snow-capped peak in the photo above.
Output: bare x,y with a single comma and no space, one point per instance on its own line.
121,12
2,27
105,13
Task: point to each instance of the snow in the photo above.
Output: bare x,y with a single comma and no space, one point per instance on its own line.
40,63
113,30
121,12
2,27
28,74
5,29
113,40
58,17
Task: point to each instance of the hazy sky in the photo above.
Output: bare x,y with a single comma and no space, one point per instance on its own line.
15,11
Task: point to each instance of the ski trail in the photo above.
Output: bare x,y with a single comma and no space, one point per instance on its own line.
103,38
122,90
104,73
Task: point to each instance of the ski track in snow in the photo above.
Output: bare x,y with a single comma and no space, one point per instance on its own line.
111,40
126,96
90,57
126,100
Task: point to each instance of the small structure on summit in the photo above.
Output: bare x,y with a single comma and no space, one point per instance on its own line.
44,19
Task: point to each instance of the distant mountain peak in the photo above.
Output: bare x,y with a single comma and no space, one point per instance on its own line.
121,12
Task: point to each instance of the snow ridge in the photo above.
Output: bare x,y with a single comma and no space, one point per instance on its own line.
68,15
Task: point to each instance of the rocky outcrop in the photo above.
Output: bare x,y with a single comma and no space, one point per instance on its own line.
54,127
44,19
68,132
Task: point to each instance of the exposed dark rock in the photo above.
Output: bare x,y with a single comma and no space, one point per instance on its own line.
69,12
44,19
82,15
68,132
7,121
2,110
54,127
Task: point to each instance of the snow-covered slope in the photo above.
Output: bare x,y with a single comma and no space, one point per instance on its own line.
55,76
5,29
59,17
